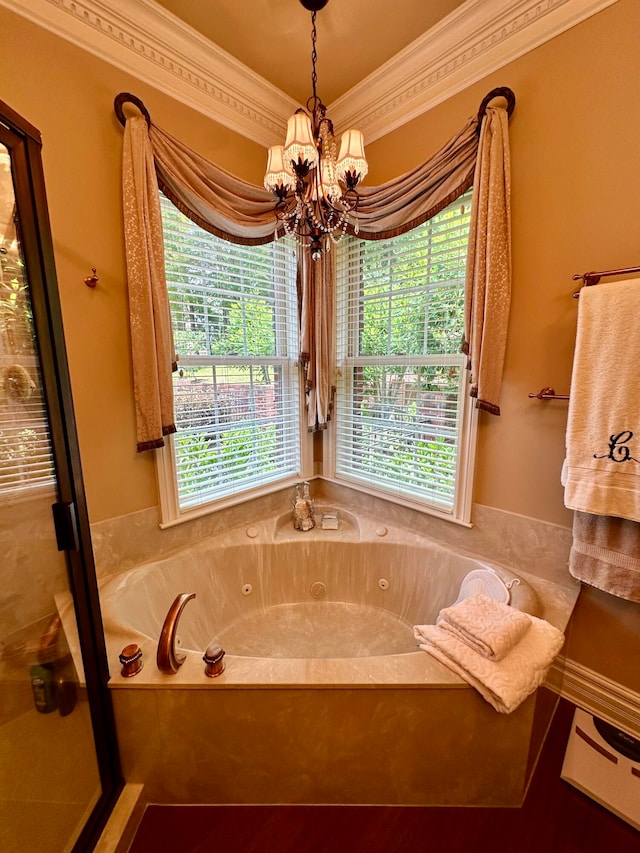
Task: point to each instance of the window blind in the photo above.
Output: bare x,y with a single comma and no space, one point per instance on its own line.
400,392
234,315
25,448
26,459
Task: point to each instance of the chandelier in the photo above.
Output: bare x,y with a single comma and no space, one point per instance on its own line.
315,191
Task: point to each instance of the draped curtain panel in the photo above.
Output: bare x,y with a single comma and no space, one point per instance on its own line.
316,337
219,202
152,348
488,285
241,212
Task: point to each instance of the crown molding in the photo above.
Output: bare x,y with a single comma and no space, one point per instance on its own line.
148,42
479,37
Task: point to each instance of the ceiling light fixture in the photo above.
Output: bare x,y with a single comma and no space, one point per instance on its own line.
315,190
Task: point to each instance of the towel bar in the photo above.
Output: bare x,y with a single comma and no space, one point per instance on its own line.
590,278
549,394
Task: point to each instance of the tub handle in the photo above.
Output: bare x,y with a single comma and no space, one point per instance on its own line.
213,659
168,661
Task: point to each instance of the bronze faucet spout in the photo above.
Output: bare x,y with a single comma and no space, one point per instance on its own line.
167,659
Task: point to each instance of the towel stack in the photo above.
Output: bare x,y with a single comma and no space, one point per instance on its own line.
504,653
601,474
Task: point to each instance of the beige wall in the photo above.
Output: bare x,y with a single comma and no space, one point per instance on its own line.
576,173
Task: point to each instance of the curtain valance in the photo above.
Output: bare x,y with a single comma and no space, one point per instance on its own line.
219,202
241,212
413,198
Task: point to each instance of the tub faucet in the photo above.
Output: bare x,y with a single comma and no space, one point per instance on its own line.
167,659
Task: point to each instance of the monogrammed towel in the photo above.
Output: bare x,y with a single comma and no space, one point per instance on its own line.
601,474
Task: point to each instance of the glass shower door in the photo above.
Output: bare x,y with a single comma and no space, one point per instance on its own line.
52,756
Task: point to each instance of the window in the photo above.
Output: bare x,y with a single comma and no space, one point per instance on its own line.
403,424
234,314
26,460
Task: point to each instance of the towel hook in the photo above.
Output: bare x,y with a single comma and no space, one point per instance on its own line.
92,280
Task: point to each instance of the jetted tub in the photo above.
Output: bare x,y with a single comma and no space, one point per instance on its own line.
325,697
275,598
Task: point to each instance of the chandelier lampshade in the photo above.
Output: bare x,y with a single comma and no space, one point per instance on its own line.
330,186
299,146
315,191
277,178
352,165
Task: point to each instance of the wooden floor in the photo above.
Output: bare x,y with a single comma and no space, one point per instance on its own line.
556,818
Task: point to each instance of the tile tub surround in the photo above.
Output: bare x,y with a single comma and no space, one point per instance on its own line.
523,543
350,746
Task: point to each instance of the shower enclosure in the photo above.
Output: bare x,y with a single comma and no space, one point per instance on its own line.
59,766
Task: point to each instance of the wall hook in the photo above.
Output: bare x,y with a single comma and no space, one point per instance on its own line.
92,280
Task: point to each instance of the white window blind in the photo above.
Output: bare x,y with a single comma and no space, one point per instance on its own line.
401,389
234,314
26,460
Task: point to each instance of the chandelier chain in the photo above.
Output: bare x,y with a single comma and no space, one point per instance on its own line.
314,57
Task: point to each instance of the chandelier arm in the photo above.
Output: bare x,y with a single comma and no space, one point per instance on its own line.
350,200
285,208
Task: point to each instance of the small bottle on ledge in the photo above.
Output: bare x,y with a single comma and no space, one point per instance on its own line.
303,509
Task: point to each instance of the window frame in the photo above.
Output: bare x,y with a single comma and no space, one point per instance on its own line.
166,463
460,512
172,514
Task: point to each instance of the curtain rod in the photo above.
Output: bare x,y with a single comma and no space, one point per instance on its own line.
499,92
128,98
591,278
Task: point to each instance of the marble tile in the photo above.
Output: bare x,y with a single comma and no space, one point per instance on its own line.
519,542
44,827
137,725
335,746
48,779
33,570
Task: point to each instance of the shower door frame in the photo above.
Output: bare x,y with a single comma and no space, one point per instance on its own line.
70,516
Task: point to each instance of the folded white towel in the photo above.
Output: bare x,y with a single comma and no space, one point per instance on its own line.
504,684
601,474
491,628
